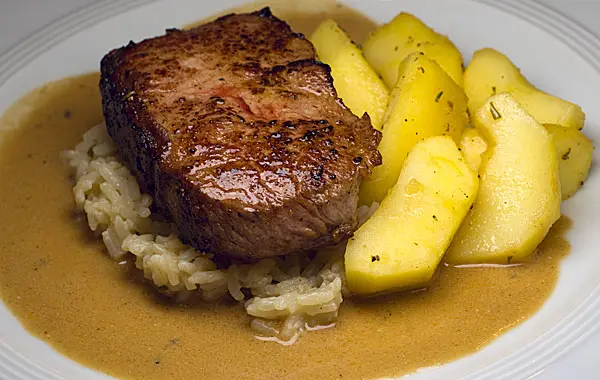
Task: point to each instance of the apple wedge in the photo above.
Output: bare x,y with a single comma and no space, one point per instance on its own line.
355,81
401,245
426,102
473,145
390,44
519,193
574,151
491,72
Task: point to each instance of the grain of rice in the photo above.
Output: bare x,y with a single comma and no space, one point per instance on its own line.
285,296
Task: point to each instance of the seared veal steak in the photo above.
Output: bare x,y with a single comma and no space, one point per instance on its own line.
238,134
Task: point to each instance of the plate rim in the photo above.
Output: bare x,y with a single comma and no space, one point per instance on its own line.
583,321
577,326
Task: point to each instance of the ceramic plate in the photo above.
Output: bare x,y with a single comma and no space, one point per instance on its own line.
552,51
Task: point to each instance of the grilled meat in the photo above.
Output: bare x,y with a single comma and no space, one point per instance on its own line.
237,132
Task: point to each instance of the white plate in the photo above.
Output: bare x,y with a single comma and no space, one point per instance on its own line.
552,51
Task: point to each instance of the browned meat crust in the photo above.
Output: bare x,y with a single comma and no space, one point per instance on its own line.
238,134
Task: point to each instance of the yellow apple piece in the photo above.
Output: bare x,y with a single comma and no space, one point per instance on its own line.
401,245
390,44
519,191
355,81
473,145
491,72
574,151
426,102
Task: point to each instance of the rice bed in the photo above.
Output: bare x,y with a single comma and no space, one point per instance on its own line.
284,296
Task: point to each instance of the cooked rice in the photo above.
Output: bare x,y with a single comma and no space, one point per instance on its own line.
285,296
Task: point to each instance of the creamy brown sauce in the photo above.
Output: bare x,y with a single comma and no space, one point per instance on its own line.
57,280
304,16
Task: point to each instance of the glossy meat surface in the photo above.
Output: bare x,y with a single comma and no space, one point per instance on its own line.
238,134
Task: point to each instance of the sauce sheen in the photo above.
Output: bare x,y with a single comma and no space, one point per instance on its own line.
57,279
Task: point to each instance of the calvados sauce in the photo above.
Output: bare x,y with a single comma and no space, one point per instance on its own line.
56,278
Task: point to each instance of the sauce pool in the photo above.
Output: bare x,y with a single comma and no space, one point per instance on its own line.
58,281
